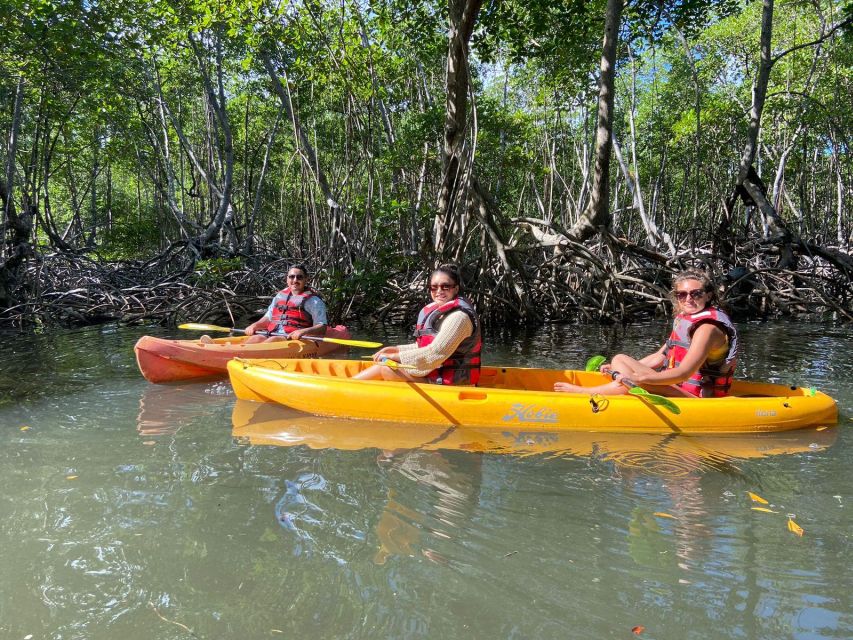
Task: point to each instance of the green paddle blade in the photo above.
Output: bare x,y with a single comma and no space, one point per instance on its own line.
655,399
594,363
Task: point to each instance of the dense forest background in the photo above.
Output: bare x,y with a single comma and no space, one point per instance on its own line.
166,161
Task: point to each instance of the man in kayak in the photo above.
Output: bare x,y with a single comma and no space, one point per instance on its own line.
698,359
447,346
294,312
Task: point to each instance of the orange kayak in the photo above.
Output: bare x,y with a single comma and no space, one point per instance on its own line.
162,360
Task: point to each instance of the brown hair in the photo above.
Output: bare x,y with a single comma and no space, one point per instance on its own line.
700,276
301,268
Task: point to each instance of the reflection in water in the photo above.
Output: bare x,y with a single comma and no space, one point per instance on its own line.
669,455
164,408
453,491
423,455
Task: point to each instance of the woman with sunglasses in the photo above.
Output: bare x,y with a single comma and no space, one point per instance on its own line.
294,312
698,359
447,339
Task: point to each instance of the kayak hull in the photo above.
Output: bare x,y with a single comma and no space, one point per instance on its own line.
520,398
162,361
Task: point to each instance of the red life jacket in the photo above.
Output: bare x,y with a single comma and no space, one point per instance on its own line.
713,379
288,313
463,366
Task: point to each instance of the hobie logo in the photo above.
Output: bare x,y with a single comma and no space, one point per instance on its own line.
530,413
532,437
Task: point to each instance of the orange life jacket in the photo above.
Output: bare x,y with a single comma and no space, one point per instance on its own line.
713,378
289,313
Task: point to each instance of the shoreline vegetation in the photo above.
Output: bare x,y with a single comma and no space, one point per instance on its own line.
582,286
166,162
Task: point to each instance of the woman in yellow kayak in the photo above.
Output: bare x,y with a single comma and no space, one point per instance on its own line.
447,339
698,359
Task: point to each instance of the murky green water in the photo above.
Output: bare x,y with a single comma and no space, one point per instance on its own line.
137,511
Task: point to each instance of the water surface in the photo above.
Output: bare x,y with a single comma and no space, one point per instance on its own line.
141,511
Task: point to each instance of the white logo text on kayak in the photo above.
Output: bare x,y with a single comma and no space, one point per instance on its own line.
530,413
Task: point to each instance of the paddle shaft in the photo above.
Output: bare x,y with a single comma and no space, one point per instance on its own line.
633,388
636,390
594,362
212,327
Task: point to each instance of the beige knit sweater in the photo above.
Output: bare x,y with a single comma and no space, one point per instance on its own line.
453,330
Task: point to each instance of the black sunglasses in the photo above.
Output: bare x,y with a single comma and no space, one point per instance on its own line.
443,286
295,276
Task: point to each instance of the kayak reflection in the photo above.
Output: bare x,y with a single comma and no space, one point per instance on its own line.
269,424
164,409
413,523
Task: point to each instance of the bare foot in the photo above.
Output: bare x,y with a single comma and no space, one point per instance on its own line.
206,340
565,387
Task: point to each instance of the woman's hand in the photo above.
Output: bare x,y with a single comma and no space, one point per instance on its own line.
606,368
387,353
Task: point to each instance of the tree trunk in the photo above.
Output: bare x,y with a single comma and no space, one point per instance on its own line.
779,232
597,215
303,144
7,188
463,16
9,267
249,241
223,217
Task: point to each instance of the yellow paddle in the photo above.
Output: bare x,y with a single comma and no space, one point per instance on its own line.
596,361
212,327
393,364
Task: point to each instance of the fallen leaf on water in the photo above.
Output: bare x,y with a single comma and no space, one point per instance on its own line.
70,477
793,527
149,442
25,428
764,509
661,514
822,428
756,498
638,629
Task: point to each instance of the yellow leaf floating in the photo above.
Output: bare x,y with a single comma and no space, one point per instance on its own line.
756,498
25,428
70,477
764,510
793,527
661,514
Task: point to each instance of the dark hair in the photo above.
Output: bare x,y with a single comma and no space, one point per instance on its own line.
700,276
451,271
300,267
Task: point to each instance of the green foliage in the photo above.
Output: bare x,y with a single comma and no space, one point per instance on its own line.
130,240
211,272
109,85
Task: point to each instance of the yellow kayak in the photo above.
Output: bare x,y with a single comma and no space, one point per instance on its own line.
265,424
519,397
